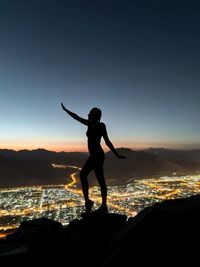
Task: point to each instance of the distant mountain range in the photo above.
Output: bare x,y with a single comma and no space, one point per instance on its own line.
33,167
152,162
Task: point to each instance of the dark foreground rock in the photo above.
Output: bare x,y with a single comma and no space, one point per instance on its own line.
166,234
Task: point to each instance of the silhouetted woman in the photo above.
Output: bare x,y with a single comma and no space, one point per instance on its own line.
95,131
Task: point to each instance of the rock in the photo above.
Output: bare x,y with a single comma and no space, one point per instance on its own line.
165,234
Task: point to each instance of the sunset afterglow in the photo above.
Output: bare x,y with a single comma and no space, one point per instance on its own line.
138,63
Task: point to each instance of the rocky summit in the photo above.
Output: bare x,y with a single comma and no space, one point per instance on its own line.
165,234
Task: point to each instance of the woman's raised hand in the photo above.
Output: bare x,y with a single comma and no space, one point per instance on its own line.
63,107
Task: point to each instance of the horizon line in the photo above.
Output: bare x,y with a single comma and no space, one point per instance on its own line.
106,150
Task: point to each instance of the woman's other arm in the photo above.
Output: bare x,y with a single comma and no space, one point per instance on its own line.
109,143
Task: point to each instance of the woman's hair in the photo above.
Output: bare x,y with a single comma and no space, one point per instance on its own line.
96,112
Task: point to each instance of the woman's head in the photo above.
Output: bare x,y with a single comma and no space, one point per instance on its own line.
94,114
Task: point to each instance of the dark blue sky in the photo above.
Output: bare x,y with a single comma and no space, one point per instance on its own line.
139,61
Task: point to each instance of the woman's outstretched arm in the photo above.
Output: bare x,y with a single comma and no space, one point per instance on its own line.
74,116
109,143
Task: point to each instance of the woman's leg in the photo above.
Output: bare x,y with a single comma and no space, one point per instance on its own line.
85,171
99,172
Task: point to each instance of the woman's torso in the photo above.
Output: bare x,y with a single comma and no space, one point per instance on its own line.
94,134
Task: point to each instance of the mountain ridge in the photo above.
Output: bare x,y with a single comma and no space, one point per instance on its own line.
19,167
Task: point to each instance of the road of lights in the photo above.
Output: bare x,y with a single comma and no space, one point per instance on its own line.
64,202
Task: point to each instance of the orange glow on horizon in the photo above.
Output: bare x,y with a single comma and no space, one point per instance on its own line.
52,146
73,146
80,146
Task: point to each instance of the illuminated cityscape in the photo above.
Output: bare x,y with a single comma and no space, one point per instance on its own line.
64,203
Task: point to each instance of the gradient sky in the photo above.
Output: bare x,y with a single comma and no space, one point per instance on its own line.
139,61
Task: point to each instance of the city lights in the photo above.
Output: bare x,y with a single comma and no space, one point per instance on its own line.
64,203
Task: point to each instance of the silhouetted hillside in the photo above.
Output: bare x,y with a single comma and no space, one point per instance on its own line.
17,171
72,158
138,164
165,234
188,160
28,167
172,154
